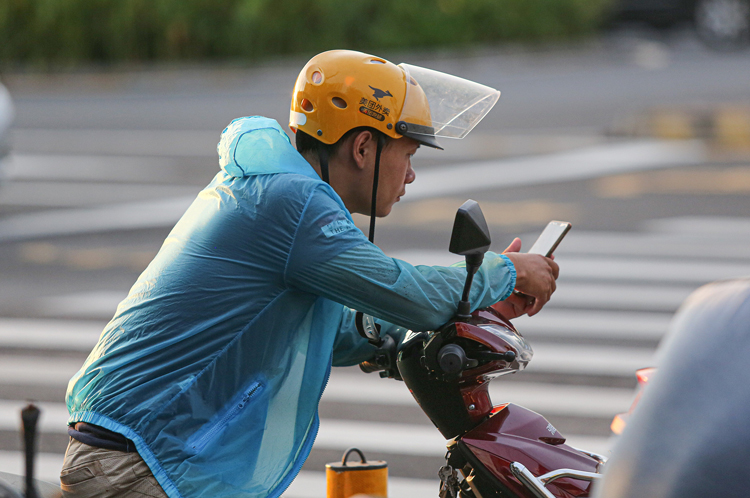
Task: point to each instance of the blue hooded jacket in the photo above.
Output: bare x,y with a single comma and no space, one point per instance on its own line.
215,362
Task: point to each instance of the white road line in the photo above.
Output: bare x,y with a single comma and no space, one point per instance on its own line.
47,466
645,297
547,399
53,418
590,360
676,245
96,304
588,324
683,271
129,216
589,162
704,227
307,484
550,358
391,437
551,399
402,439
56,334
89,168
154,143
543,398
39,371
697,270
623,296
71,195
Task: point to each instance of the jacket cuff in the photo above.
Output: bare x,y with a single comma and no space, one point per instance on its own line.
512,271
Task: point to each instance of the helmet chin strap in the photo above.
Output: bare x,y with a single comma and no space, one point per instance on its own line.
363,328
375,178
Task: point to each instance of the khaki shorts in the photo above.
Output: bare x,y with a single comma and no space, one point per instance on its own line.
96,472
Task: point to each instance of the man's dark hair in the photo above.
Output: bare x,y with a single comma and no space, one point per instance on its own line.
306,143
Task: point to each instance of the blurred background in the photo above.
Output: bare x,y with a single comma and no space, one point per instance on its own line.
628,118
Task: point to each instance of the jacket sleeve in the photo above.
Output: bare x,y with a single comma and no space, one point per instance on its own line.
350,348
332,258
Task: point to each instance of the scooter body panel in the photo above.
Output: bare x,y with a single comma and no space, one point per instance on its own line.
516,434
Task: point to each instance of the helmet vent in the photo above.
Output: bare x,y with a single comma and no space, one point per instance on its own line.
339,102
317,78
377,61
306,105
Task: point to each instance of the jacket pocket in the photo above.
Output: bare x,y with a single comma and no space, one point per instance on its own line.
203,436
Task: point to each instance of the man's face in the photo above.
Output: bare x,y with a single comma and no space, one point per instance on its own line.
395,173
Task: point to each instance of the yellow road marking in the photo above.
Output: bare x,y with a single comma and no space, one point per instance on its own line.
440,213
703,181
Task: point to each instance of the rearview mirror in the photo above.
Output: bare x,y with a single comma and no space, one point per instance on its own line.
470,238
470,234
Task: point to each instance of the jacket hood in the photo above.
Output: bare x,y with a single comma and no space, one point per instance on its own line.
258,146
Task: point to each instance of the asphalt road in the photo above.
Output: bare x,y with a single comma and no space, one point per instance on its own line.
105,161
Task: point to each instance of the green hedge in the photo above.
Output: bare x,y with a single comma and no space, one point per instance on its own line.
74,31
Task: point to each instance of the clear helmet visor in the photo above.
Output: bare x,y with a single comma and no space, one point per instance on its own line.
442,105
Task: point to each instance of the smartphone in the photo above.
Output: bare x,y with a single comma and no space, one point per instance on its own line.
550,237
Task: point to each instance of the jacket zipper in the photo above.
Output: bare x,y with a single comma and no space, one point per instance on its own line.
215,428
281,488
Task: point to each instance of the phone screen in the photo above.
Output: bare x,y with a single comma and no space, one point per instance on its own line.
549,239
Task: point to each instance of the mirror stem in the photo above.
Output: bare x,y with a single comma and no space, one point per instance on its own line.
473,262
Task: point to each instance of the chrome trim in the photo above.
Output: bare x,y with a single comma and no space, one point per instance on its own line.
527,479
595,456
575,474
537,485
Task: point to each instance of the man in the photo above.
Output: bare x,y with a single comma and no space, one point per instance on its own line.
207,380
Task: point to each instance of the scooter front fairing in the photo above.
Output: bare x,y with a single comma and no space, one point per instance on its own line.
502,451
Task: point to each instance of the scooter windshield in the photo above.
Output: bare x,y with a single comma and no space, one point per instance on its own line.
455,105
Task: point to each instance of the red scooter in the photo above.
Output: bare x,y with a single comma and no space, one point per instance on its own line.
493,451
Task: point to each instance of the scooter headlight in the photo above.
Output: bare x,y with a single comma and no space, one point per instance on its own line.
514,340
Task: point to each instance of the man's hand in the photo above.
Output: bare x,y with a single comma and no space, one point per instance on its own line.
515,306
535,277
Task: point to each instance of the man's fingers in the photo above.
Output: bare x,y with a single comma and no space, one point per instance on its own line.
514,246
555,268
536,307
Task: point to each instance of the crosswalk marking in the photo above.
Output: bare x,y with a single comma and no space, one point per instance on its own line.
70,335
39,371
592,324
608,291
53,417
622,296
590,360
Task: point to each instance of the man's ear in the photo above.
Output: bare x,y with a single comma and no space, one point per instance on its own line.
363,146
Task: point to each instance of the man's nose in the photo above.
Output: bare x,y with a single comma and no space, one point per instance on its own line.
410,175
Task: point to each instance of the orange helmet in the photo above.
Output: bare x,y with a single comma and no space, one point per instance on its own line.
340,90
